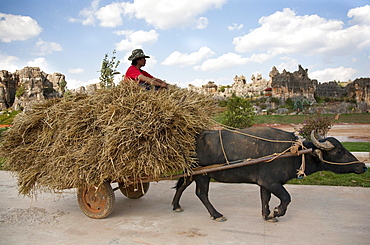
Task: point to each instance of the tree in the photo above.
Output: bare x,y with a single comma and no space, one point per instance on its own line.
108,70
239,113
322,124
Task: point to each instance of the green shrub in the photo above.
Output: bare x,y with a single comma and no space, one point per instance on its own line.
275,100
20,91
289,103
222,103
315,122
239,113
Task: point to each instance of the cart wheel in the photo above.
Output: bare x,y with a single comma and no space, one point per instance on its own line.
134,191
96,202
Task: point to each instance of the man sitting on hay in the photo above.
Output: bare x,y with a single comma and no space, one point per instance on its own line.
134,72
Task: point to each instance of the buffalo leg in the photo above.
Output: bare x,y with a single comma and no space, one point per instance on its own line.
265,199
181,185
280,192
202,189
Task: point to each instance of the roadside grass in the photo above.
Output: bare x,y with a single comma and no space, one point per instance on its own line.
332,179
8,116
357,146
2,130
296,119
2,159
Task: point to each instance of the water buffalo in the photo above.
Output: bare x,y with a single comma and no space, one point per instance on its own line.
272,176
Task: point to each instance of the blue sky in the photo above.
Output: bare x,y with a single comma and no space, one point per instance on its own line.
189,42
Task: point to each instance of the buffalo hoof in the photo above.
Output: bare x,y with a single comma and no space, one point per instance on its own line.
178,210
220,219
273,220
271,215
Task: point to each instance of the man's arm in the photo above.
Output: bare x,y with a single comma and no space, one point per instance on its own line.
152,81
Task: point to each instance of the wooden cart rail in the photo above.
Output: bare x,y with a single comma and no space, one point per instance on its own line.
219,167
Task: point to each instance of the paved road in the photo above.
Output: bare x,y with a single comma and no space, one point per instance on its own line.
317,215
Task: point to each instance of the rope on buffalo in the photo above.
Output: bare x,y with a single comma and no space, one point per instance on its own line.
318,154
235,130
222,146
294,149
339,163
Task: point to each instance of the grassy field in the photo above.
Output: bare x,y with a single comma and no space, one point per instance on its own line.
357,146
7,117
296,119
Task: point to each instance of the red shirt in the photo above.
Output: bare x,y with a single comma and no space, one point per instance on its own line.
133,72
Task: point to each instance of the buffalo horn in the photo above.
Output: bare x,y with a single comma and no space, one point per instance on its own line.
326,145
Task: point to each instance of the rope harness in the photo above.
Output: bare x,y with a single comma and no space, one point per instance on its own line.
293,149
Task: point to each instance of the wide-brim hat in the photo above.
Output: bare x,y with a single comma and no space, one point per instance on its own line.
137,53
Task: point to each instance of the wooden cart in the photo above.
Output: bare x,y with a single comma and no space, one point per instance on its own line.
97,202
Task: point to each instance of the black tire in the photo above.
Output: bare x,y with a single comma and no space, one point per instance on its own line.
96,202
134,191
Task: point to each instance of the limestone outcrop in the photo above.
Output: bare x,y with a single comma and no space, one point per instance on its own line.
19,90
8,88
359,90
296,86
293,85
331,90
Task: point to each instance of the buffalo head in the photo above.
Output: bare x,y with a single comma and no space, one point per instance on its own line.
335,157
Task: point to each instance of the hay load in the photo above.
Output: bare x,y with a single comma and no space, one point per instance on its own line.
116,134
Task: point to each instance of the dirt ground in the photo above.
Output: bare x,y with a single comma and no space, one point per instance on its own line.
317,215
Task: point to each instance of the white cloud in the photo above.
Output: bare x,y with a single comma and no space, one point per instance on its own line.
74,83
360,15
288,64
88,14
8,63
181,13
222,62
199,82
235,26
330,74
135,39
17,27
39,62
177,58
284,33
111,15
162,14
202,23
231,59
76,70
44,48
